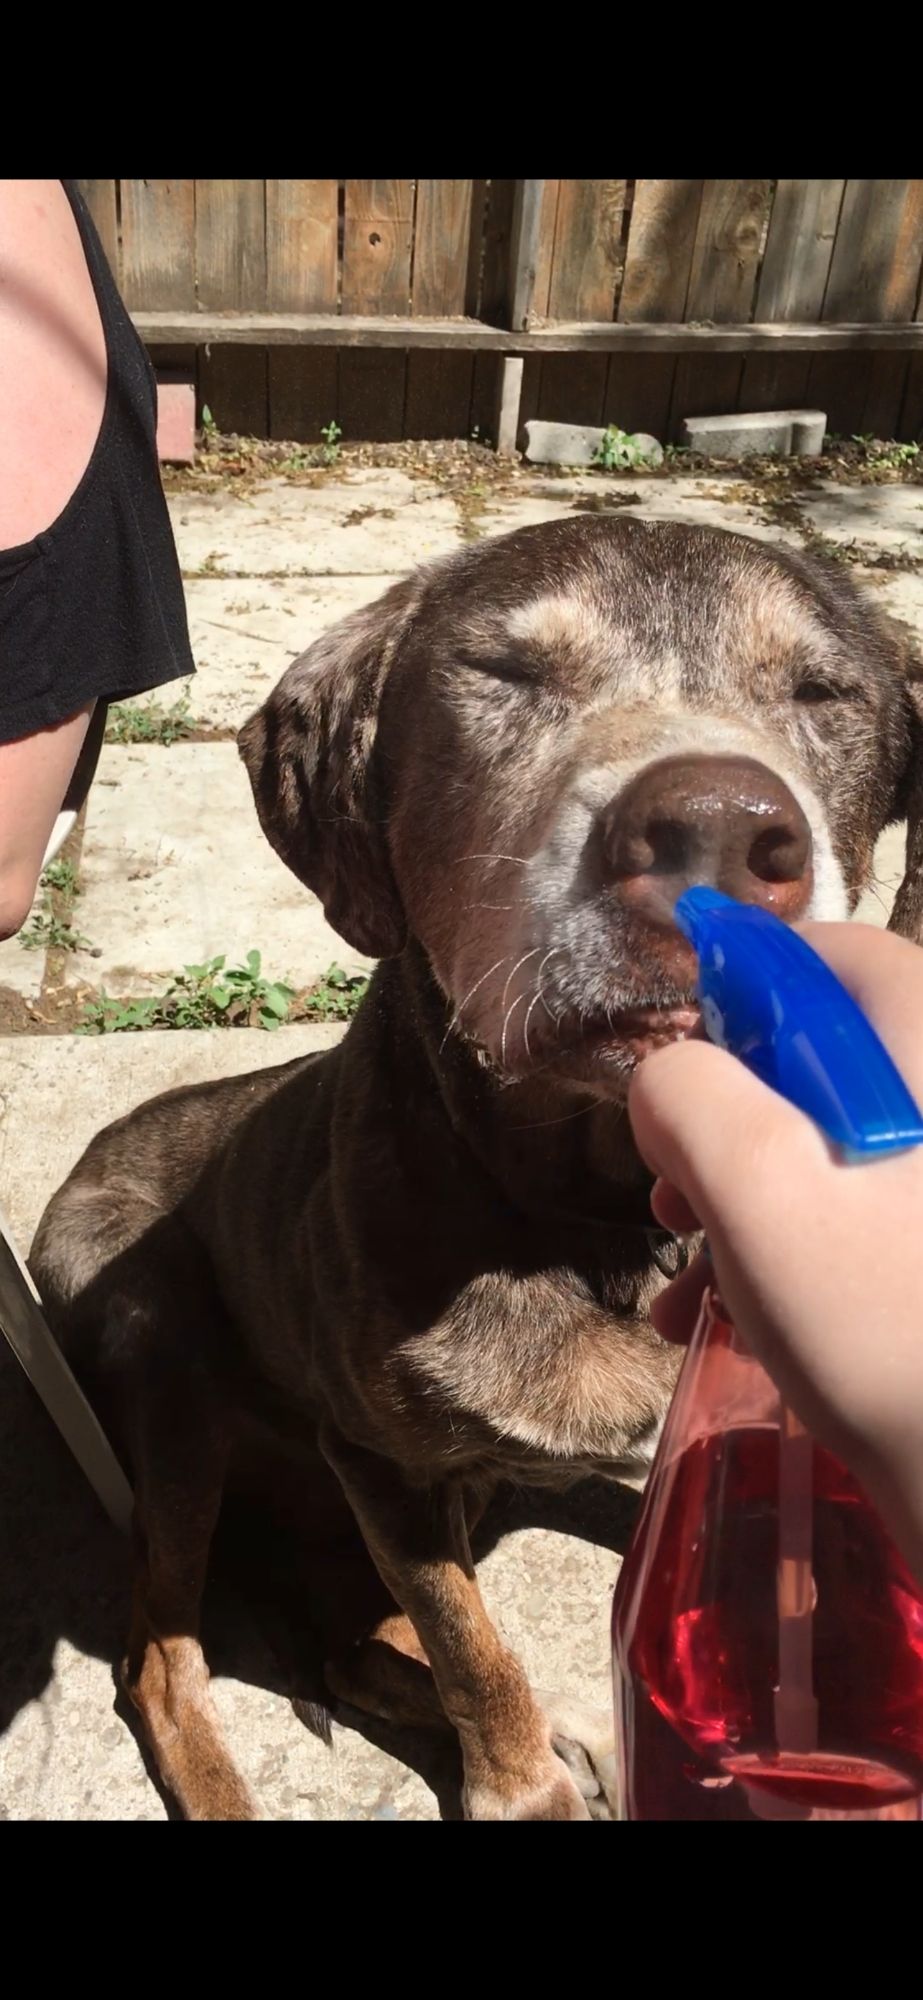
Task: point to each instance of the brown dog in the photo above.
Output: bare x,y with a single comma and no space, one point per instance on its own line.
429,1252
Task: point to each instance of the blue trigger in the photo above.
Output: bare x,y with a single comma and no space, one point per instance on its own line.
770,1000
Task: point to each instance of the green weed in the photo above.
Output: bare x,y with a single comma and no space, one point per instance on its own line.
335,997
618,451
213,995
149,722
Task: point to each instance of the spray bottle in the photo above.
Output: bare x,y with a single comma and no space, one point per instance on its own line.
767,1634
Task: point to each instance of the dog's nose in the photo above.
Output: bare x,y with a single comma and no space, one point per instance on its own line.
725,821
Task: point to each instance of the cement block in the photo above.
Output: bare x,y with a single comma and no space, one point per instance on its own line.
176,423
798,433
176,869
577,444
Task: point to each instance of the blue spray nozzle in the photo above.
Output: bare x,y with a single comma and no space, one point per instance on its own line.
768,998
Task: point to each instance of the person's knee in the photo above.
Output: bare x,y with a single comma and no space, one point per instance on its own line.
17,890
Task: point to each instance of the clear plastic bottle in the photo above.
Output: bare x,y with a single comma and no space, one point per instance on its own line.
767,1634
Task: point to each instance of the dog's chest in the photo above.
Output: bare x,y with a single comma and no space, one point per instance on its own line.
543,1371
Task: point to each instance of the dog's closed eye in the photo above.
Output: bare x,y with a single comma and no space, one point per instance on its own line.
816,691
518,668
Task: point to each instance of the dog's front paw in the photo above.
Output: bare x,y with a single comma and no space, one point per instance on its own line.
583,1738
552,1795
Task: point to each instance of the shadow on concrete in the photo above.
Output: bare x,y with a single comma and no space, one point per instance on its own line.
65,1574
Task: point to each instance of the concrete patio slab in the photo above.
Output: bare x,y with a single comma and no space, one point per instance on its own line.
58,1091
245,632
880,517
899,593
316,531
711,503
22,971
175,870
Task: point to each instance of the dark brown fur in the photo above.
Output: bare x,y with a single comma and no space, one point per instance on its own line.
424,1252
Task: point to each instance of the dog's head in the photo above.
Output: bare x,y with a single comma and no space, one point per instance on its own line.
523,754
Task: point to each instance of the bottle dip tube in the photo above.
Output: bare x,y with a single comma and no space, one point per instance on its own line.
767,1633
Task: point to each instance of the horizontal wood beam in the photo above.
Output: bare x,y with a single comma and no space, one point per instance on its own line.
178,329
704,338
181,329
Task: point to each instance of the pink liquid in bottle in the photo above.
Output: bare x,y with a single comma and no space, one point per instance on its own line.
767,1634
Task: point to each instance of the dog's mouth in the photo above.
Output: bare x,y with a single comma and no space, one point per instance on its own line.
642,1028
603,1046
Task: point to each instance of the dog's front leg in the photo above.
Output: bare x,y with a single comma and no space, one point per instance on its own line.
419,1542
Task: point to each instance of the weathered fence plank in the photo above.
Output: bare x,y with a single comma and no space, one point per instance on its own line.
378,225
661,240
722,283
302,275
377,246
658,260
792,283
493,302
438,402
301,246
586,270
874,274
230,276
158,244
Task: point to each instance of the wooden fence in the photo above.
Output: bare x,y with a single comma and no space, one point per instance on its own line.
434,308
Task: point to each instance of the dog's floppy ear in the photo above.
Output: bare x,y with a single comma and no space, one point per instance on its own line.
312,758
907,914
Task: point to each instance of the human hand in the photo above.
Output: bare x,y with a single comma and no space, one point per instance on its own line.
818,1262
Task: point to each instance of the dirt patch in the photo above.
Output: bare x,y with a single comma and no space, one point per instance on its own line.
242,464
360,514
472,474
53,1013
62,1012
603,503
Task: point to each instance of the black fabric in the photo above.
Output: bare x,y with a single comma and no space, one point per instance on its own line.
94,608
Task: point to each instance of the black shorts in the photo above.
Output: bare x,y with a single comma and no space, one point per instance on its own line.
93,609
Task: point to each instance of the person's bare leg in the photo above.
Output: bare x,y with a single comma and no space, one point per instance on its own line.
34,777
52,397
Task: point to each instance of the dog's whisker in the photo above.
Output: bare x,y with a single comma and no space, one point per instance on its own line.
510,1082
557,951
506,1022
520,859
524,960
554,1018
879,890
456,1017
533,1003
542,1124
491,906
